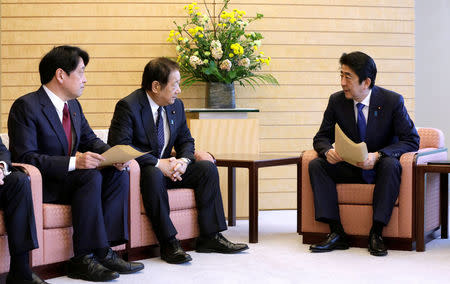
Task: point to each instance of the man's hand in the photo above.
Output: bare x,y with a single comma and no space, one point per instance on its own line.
179,169
122,166
2,176
88,160
333,157
370,162
167,167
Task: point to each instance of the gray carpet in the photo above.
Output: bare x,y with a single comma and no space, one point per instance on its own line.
280,257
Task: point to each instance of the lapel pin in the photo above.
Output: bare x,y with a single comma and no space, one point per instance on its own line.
173,112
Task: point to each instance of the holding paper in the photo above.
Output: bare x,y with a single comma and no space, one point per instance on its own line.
349,151
120,154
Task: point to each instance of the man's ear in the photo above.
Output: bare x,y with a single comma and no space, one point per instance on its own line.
367,82
60,74
156,86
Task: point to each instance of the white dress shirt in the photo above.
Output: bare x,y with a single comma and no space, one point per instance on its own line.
59,106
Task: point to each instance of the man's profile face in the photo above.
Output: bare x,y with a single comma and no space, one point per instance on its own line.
74,82
167,95
351,86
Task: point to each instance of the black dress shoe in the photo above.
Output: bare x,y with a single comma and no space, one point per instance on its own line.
113,262
88,268
219,244
171,252
34,280
334,241
376,245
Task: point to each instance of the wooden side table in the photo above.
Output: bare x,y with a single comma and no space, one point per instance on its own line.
253,162
421,170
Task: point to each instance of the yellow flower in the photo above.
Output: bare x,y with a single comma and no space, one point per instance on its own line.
200,35
231,55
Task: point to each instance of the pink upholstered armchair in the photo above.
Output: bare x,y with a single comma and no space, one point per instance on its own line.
183,211
355,200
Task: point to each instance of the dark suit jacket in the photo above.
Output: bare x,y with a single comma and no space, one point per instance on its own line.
133,124
389,127
37,137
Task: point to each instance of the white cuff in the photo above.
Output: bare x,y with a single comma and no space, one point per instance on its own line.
5,168
72,163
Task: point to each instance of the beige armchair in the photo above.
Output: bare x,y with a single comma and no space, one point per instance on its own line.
355,200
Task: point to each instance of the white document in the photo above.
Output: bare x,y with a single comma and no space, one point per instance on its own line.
120,154
349,151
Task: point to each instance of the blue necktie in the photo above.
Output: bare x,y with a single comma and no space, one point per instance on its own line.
368,175
160,130
361,123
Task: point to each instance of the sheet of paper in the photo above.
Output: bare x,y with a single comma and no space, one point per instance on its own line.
349,151
120,154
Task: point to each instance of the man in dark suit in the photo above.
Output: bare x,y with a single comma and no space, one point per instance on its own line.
152,119
17,204
48,129
378,117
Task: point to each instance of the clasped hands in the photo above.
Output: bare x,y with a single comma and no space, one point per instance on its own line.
372,158
172,168
90,160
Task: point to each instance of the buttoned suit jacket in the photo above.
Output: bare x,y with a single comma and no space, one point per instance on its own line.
133,124
38,138
389,127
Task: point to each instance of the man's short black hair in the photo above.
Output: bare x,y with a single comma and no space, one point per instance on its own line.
362,64
158,70
64,57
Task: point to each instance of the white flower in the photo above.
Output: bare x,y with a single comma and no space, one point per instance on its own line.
244,62
225,65
216,49
215,44
195,61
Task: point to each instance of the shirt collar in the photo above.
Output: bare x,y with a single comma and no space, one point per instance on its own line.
366,100
153,105
57,101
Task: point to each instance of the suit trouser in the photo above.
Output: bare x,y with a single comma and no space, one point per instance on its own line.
99,201
324,177
17,203
203,177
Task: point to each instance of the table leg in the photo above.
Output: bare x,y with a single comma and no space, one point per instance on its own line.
420,206
253,203
231,196
444,205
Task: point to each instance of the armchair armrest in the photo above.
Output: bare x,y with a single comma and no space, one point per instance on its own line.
37,255
135,204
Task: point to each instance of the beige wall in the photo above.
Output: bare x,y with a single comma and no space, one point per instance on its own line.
304,37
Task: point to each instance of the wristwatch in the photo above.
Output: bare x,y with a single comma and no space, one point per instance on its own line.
186,160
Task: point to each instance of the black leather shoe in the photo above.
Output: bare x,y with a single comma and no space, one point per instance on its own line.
113,262
171,252
219,244
88,268
35,280
376,245
334,241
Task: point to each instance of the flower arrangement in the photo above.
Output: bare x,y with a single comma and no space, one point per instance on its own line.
216,48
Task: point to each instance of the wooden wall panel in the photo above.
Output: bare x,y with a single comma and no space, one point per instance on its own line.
305,39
